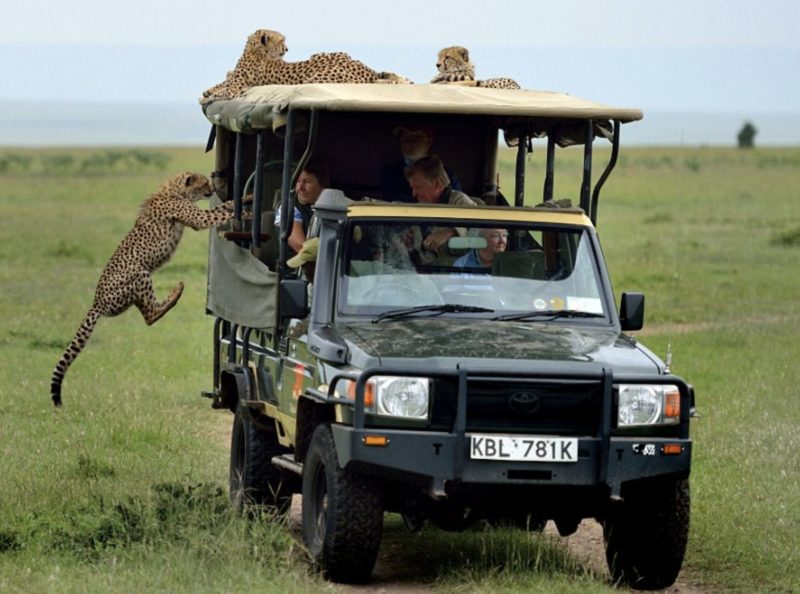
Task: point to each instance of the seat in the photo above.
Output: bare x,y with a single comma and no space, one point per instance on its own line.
268,253
528,264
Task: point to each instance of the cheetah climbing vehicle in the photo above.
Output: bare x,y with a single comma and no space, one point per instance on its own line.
403,381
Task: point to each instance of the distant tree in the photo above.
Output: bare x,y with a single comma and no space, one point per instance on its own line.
747,135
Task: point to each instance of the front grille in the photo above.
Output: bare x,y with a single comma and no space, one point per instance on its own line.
552,407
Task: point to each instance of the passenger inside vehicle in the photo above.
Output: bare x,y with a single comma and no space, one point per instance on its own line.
430,184
496,241
312,180
415,143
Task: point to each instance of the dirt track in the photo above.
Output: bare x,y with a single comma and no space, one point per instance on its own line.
587,545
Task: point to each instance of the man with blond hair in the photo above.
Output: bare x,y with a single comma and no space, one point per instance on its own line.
430,184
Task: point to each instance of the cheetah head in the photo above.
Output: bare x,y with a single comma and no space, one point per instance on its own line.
266,44
452,58
192,186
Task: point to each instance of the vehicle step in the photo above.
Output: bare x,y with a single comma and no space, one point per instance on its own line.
288,462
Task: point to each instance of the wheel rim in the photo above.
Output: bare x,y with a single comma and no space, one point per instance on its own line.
320,499
237,471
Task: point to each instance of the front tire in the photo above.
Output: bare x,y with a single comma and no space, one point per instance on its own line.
342,513
254,481
646,535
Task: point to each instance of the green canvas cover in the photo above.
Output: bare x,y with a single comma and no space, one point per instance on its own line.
241,288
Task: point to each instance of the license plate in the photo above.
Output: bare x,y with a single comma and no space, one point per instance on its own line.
523,448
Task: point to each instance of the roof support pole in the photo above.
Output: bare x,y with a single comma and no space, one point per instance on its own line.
519,186
586,184
287,207
312,142
258,191
606,172
551,164
237,182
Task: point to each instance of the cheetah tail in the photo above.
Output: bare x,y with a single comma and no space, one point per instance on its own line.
72,351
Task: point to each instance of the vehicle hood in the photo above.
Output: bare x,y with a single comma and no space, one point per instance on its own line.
484,339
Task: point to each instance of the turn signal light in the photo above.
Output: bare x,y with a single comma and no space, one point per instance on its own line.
375,440
369,393
672,405
672,449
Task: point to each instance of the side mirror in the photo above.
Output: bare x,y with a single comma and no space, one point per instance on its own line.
293,299
631,311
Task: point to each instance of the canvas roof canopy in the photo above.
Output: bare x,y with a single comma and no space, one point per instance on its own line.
266,106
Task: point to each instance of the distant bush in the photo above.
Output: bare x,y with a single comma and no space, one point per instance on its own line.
58,164
768,160
150,159
693,164
14,163
105,162
123,161
788,238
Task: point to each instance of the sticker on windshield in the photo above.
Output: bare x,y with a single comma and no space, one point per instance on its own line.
587,304
539,304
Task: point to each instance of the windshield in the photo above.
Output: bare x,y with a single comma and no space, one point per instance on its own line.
495,270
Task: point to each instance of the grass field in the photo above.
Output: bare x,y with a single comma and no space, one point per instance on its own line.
124,489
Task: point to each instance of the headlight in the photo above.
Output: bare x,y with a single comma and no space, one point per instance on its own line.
648,404
394,396
397,396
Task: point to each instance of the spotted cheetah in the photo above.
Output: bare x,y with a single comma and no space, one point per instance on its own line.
262,63
126,280
455,68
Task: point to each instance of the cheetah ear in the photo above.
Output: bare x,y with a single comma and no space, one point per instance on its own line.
189,180
464,54
264,39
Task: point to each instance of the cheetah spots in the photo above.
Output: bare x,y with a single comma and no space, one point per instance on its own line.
126,279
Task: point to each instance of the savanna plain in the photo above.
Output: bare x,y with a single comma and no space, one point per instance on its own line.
125,488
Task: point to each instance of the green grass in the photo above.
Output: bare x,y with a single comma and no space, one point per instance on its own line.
124,489
487,560
700,241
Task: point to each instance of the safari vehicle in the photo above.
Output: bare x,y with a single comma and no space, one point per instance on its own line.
404,382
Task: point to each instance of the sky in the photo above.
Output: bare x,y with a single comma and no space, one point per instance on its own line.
736,57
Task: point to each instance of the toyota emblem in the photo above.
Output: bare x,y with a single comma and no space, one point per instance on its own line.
524,403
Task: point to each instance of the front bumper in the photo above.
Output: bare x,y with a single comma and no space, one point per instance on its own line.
604,459
444,457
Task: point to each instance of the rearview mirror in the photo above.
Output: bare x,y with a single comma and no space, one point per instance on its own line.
293,298
631,311
466,243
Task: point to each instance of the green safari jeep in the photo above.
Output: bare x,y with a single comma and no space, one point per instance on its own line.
449,387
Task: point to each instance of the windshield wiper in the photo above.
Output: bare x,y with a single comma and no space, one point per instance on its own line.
434,309
548,313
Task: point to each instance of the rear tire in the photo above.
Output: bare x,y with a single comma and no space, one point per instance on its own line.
342,513
254,481
646,535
